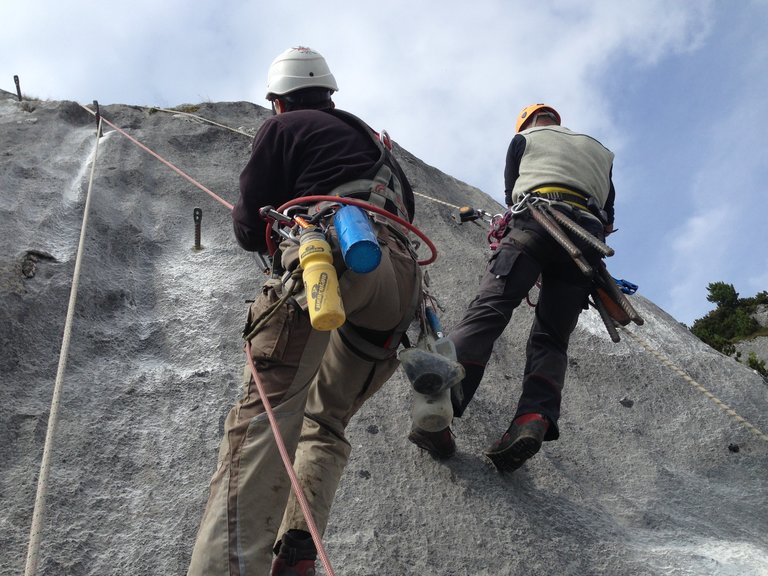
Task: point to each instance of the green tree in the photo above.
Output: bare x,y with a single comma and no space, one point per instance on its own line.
722,294
731,321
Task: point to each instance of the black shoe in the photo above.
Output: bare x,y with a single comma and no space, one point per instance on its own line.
296,555
520,442
439,444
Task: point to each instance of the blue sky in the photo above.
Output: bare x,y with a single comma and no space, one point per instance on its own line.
676,89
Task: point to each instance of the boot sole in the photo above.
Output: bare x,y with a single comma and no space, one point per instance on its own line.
513,456
439,454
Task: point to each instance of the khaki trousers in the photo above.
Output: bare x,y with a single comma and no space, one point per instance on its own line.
315,382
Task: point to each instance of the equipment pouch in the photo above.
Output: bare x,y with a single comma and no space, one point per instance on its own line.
289,255
501,262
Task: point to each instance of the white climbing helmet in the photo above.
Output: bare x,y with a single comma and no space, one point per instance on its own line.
298,68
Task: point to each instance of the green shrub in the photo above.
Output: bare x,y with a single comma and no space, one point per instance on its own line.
757,365
731,321
722,294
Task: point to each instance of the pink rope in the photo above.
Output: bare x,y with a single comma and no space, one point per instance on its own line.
171,166
289,467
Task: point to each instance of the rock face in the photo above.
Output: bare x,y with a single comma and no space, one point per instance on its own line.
651,476
761,315
759,345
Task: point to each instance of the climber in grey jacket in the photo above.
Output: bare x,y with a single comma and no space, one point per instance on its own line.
573,171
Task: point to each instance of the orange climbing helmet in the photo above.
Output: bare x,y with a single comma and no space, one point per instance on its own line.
530,111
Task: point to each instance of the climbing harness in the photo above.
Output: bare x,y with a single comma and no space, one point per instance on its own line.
553,221
607,295
612,306
609,301
281,218
286,222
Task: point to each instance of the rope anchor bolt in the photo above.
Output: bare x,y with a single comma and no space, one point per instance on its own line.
197,216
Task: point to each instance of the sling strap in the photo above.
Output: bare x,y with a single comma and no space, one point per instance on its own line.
382,188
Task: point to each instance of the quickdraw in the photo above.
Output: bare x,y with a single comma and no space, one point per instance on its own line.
498,229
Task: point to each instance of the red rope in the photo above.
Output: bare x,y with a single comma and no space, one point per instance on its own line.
171,166
289,466
528,296
365,206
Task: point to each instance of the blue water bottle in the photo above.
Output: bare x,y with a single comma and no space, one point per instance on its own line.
359,247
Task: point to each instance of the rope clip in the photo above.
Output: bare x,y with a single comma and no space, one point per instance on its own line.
470,214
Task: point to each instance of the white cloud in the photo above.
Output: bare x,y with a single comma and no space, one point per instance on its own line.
444,78
699,254
725,238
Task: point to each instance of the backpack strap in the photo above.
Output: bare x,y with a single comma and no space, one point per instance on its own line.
382,188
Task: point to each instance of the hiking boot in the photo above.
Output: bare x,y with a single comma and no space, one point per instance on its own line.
439,444
521,441
296,556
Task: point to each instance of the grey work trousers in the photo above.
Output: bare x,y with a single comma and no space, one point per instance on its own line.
315,382
525,254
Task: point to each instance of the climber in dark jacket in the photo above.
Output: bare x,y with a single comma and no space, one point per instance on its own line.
341,152
315,380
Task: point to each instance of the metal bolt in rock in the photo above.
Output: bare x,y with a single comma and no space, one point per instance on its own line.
198,217
98,118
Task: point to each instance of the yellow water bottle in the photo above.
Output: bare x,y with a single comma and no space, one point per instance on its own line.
321,284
